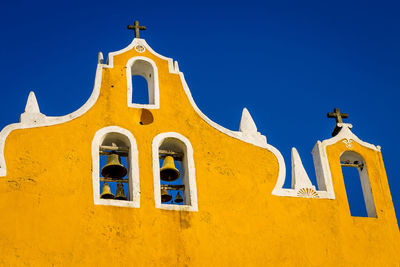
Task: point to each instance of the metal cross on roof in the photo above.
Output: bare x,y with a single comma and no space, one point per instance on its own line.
137,28
338,117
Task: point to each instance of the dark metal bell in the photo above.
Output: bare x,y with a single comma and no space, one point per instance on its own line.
106,192
165,196
114,169
178,198
120,192
168,171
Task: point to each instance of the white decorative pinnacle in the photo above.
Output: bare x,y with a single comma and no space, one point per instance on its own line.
249,129
247,124
32,105
300,178
176,66
32,113
100,58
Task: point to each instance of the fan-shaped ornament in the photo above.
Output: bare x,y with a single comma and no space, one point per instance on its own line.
307,193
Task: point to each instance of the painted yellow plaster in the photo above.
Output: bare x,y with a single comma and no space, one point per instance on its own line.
48,216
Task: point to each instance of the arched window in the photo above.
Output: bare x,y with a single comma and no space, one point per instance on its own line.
174,173
142,75
115,171
358,188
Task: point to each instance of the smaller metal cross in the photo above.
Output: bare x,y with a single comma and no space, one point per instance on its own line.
337,115
137,28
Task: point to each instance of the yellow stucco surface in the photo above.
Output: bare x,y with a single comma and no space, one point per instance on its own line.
49,217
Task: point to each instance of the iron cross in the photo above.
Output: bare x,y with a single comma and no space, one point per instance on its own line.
337,115
137,28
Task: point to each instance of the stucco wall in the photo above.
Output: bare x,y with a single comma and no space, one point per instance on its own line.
49,217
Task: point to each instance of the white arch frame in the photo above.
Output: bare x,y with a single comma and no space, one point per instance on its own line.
189,178
151,76
133,166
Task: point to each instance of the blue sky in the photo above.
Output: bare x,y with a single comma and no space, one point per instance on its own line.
288,62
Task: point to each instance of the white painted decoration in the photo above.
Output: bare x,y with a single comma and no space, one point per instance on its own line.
248,129
300,178
32,113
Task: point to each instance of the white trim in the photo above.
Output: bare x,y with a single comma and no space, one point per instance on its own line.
300,177
151,76
138,41
249,129
237,135
189,174
173,68
133,174
47,121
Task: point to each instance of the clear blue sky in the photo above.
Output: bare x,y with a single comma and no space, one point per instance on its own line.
288,62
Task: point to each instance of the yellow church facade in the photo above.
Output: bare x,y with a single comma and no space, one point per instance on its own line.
60,206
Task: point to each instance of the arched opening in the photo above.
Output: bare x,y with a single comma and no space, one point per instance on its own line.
172,158
142,83
358,188
174,174
140,91
115,168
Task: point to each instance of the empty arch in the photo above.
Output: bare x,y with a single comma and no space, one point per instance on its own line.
146,68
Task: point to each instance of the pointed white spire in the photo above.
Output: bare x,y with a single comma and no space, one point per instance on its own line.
247,124
32,113
100,58
176,66
300,178
248,130
32,105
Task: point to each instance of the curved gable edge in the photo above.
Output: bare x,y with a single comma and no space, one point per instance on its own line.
50,120
174,69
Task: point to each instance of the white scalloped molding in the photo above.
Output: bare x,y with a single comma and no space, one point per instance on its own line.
321,164
116,134
189,174
173,68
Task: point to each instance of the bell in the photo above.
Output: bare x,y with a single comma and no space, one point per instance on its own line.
178,198
165,196
106,192
120,192
168,171
114,169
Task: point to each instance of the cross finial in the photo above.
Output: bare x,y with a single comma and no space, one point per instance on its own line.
137,28
338,117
